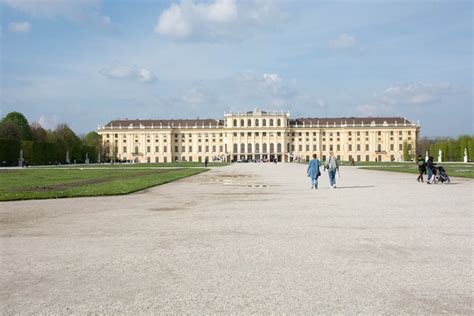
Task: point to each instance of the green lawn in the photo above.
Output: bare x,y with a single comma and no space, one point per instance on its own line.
47,183
452,169
141,165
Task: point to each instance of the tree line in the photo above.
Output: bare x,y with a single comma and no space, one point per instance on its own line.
452,148
40,146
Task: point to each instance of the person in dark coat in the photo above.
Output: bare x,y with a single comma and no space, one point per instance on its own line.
421,168
430,166
313,171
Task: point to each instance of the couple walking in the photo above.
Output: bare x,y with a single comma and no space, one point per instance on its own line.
332,164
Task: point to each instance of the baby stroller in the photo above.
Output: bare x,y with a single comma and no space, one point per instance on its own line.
442,175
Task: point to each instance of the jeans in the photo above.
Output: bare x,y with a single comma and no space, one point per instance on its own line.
332,177
314,183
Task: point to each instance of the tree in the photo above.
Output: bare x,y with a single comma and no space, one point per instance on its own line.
68,141
92,139
8,130
38,133
405,151
19,122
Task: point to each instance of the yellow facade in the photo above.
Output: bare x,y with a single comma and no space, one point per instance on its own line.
259,135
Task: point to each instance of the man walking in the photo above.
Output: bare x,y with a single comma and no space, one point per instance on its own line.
333,166
313,171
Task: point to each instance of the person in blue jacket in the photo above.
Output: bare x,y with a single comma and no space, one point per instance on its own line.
313,171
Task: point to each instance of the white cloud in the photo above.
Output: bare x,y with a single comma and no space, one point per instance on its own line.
343,41
128,72
19,27
216,19
48,122
414,93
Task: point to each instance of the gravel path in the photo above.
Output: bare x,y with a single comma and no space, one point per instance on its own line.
247,238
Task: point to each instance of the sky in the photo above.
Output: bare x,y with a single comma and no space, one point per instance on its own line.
87,62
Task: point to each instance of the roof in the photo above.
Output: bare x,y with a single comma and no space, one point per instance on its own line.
157,123
349,120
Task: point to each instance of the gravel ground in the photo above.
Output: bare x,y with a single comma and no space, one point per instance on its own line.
247,238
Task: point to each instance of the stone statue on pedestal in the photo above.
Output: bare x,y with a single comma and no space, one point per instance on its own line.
87,159
465,155
21,160
68,161
440,155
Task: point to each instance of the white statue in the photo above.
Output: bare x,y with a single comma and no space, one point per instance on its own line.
426,156
440,155
465,155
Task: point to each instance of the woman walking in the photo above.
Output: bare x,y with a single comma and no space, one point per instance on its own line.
313,171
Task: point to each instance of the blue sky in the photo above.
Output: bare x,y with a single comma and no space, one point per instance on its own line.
86,62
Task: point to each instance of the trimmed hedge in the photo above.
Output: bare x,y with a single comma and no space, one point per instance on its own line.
41,153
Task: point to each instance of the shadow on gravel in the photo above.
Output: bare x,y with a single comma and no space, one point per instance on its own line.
356,187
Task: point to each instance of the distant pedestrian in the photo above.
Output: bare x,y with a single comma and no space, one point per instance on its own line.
206,162
313,171
421,168
352,161
333,166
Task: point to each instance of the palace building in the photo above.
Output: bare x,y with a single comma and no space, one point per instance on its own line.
260,135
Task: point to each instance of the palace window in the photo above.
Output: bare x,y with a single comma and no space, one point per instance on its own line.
175,149
136,149
199,149
307,147
350,147
190,148
358,147
391,147
264,122
338,147
257,133
278,133
235,148
249,134
257,122
242,123
249,148
278,122
242,148
264,134
124,149
366,147
279,147
271,122
242,134
235,123
207,149
324,147
257,148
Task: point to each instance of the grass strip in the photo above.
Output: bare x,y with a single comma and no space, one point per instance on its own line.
28,184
